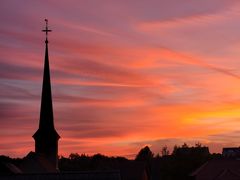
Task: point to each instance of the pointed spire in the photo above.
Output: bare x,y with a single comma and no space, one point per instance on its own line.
46,122
46,113
46,137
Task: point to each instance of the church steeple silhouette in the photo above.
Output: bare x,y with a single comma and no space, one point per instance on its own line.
46,137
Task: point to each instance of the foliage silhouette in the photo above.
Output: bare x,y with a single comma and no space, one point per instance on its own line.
183,160
145,154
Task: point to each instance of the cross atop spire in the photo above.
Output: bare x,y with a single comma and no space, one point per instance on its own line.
46,30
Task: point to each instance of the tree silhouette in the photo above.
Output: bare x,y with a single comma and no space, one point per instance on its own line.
145,154
165,151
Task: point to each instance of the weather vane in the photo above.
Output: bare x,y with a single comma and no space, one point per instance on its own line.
46,30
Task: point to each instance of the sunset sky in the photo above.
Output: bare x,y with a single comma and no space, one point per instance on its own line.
125,74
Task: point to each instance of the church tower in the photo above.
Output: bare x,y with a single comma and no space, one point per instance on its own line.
46,137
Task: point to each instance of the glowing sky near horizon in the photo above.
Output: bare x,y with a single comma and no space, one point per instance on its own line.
124,74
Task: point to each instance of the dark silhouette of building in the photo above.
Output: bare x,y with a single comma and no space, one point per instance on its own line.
231,152
191,151
133,170
46,137
218,169
97,175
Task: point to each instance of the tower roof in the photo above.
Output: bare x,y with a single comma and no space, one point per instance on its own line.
46,122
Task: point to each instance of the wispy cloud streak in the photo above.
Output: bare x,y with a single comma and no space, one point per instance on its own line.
124,74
